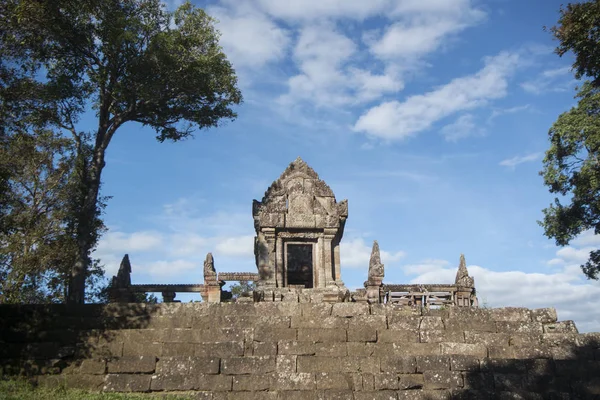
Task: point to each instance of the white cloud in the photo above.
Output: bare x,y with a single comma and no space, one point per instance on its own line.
422,26
138,241
239,246
587,238
308,10
396,120
514,161
356,253
550,80
462,128
172,269
504,111
250,39
327,76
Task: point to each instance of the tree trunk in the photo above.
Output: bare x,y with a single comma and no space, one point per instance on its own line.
86,236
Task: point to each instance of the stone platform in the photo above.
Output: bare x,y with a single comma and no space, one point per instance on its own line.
302,351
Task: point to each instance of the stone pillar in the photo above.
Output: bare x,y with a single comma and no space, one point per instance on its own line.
279,263
337,263
271,256
212,287
328,256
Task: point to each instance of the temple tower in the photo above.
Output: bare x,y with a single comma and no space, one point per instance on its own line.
299,226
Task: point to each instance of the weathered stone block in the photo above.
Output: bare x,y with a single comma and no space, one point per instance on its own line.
524,339
248,365
360,349
530,328
177,349
132,365
385,381
315,322
376,395
431,323
487,338
350,309
433,363
127,383
470,324
438,336
173,381
214,382
560,327
362,334
514,314
315,310
286,363
187,365
218,349
132,349
293,381
464,349
264,348
267,334
251,382
332,349
530,352
442,380
508,382
93,367
401,365
378,322
544,315
398,336
295,347
464,363
501,352
404,322
333,381
322,335
479,381
410,381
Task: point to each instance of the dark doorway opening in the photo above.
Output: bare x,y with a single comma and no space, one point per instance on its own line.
300,265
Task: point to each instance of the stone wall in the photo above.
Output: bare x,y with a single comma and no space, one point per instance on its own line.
302,351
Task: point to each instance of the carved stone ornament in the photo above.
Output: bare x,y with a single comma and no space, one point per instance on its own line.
462,275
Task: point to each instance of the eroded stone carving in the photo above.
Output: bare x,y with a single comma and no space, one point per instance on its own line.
376,271
462,275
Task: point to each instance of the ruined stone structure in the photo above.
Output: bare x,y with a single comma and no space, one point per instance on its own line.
299,226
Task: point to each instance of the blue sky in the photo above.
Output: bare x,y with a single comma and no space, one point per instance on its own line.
430,117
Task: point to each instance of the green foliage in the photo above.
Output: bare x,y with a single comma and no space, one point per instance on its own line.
578,31
571,165
241,289
131,61
37,242
23,390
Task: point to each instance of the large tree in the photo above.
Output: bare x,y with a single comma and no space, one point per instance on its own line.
129,61
572,163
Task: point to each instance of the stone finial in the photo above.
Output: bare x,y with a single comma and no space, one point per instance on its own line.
209,266
376,271
123,279
462,275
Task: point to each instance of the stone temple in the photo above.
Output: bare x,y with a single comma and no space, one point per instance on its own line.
299,226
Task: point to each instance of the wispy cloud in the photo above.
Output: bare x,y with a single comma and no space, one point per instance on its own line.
463,127
395,120
550,80
514,161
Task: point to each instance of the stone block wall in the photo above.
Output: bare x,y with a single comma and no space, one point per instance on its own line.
302,351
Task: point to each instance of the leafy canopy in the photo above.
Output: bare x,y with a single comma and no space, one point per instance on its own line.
571,165
127,60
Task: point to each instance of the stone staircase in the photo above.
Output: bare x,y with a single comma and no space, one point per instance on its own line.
302,351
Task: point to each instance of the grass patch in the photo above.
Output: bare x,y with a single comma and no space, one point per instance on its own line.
21,389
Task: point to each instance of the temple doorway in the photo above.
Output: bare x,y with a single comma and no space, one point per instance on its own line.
300,265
